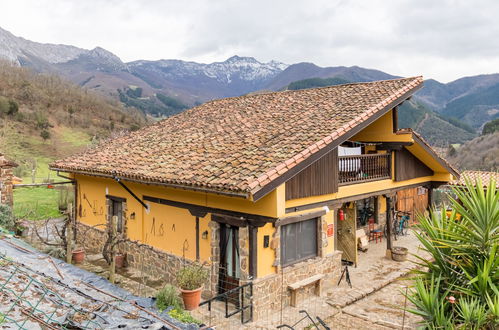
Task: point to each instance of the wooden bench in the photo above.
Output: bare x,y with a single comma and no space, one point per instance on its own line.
316,279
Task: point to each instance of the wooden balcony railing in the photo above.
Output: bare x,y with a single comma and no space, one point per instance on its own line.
364,168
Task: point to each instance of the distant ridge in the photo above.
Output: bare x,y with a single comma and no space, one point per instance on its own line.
166,87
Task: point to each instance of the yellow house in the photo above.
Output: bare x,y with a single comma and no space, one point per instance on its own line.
267,189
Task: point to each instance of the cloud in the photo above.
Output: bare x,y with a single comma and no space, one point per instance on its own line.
440,39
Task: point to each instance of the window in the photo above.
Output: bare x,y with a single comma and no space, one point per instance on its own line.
298,241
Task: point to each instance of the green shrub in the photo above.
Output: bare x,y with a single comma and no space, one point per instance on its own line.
13,107
168,296
192,277
464,262
7,220
45,134
183,316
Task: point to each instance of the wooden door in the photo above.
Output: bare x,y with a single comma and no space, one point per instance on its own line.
229,270
117,210
347,240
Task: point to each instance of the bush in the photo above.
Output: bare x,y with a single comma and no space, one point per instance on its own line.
13,107
168,296
45,134
192,277
459,286
183,316
7,220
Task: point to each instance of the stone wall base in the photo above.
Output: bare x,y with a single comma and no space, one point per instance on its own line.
271,291
152,262
268,292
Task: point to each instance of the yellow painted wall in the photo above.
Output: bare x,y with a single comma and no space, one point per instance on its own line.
381,204
266,256
381,130
330,240
167,228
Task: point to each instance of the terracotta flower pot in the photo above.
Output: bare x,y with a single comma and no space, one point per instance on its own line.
119,260
191,298
78,256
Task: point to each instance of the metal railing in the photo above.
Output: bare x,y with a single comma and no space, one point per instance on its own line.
364,168
243,301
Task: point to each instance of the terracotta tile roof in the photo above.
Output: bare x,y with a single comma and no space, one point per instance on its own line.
474,176
240,144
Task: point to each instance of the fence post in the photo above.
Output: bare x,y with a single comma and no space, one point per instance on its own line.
112,269
69,235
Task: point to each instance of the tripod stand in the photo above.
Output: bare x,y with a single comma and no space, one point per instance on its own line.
346,272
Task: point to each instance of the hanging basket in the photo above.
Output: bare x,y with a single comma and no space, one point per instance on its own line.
399,253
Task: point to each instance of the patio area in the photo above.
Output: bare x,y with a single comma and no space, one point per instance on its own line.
375,300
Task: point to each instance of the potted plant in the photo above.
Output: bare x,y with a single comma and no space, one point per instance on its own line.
190,279
78,255
119,259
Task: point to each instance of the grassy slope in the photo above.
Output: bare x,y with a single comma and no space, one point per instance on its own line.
72,116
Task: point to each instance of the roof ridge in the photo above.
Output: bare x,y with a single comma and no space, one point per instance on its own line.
283,167
256,93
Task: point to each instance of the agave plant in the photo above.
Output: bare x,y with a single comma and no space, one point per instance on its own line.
464,261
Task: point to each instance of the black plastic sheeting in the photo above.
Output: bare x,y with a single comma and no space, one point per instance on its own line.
110,317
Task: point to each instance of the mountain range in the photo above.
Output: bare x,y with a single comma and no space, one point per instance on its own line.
165,87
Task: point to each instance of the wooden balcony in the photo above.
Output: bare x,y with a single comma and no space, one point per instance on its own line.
364,168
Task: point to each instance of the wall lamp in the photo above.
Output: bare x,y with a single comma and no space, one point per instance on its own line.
204,235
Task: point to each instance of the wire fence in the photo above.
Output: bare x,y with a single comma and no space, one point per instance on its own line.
241,307
27,301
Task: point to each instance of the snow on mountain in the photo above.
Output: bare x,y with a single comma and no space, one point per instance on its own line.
236,67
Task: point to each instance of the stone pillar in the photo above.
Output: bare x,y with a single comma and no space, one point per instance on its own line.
215,255
276,246
6,175
244,253
322,236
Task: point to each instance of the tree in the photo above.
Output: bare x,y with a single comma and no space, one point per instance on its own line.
459,286
45,134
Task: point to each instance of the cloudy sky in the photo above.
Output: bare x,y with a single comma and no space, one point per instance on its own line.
441,39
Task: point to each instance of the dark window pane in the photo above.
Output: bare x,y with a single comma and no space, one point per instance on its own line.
308,238
298,241
289,243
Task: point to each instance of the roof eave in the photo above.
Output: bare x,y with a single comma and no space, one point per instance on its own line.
432,152
236,194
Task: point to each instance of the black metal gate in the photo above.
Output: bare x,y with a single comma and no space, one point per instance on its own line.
244,302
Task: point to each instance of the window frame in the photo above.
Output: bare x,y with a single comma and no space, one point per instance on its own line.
283,244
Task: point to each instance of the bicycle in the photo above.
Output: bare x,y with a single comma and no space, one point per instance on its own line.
403,223
364,214
400,224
